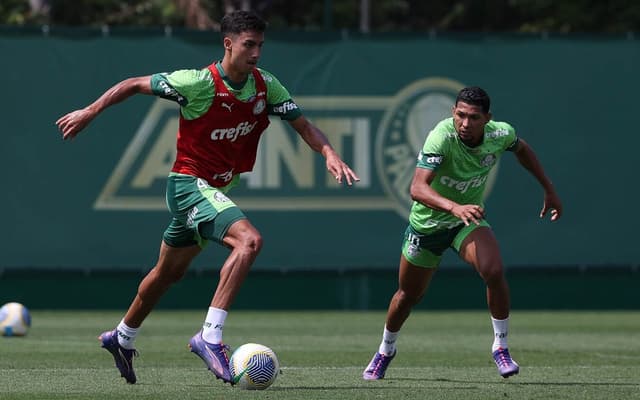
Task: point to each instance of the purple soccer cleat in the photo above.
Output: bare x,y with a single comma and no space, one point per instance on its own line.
123,357
378,366
504,362
214,356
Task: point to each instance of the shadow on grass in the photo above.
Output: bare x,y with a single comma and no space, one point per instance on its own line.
515,382
358,388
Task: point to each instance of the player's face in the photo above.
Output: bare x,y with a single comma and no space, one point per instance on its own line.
244,50
469,121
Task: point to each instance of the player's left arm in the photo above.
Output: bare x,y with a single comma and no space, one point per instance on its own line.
318,141
528,159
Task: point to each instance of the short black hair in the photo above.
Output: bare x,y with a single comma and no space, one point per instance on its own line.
237,22
476,96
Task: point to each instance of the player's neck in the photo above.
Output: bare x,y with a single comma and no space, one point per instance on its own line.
231,74
472,143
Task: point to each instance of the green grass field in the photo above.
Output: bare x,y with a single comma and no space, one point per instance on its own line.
441,355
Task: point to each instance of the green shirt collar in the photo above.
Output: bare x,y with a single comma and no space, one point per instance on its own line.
232,84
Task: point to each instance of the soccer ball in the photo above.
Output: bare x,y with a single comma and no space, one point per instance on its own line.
15,319
254,366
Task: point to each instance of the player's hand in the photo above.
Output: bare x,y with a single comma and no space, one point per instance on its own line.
468,213
552,204
71,124
339,169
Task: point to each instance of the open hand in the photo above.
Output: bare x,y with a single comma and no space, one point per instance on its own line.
339,169
468,213
72,123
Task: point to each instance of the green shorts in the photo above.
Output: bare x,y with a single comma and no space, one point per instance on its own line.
192,203
426,250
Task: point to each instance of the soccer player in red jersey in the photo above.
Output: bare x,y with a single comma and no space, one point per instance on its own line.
224,109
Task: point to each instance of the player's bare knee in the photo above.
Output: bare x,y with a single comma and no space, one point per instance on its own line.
170,275
492,274
250,242
243,237
408,298
176,276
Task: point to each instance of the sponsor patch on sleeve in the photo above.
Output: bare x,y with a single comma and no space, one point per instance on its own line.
287,110
161,87
429,160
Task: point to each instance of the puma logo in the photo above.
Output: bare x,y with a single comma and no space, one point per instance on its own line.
227,106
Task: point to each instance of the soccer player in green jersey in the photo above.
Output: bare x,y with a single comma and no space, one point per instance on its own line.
447,212
224,109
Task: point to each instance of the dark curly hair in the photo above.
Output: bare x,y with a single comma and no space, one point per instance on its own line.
475,96
241,21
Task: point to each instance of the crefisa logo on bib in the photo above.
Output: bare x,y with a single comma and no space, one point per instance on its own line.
413,112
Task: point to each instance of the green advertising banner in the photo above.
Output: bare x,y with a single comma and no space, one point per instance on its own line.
98,201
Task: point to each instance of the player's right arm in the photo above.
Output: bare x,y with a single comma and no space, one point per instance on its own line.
422,192
72,123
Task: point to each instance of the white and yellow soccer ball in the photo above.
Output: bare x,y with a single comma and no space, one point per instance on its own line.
254,366
15,319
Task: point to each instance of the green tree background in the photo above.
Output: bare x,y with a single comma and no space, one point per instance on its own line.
570,16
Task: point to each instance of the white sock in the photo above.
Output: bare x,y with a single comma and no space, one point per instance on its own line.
126,335
500,332
213,325
388,345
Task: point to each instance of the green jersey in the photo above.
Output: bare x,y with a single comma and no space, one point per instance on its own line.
194,90
461,171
